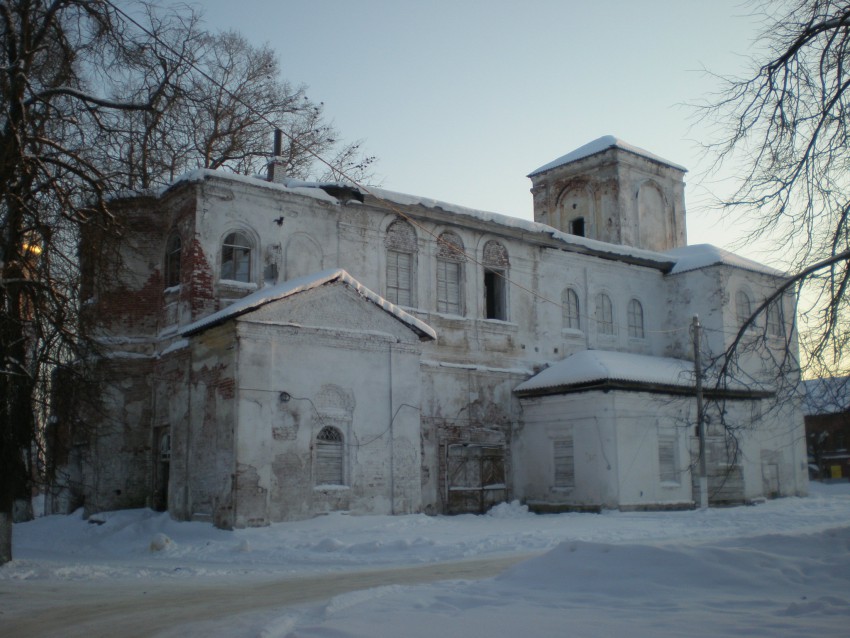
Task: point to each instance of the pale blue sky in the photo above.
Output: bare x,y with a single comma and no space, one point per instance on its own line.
461,99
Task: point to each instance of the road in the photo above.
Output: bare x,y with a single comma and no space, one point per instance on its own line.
46,609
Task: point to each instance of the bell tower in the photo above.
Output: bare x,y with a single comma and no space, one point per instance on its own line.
614,192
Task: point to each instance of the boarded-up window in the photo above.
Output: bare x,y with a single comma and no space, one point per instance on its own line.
570,306
668,470
450,258
475,477
400,243
236,257
604,314
564,463
329,466
635,319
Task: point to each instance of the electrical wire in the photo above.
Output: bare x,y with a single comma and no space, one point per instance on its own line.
368,190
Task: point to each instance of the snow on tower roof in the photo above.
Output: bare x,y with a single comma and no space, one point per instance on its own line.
598,146
300,284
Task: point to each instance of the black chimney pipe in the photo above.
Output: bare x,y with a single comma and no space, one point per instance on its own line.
278,141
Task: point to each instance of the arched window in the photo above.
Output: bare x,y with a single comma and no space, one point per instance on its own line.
400,243
604,314
236,257
450,259
743,307
329,457
173,250
570,306
496,265
635,319
775,320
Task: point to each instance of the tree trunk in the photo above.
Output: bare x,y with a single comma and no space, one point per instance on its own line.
5,536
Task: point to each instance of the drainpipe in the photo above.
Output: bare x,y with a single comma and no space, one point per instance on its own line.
392,437
703,475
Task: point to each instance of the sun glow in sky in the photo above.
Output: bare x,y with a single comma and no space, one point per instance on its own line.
461,99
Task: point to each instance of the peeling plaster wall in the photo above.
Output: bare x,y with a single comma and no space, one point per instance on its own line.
623,198
590,424
342,363
615,439
241,457
208,475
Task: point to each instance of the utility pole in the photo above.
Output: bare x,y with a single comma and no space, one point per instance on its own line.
703,475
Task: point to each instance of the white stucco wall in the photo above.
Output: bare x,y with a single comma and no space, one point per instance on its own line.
615,444
459,389
344,363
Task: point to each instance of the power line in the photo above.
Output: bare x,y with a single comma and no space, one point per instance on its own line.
368,190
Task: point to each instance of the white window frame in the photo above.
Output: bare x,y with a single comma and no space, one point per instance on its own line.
400,277
449,286
743,306
571,309
636,325
604,315
237,257
775,323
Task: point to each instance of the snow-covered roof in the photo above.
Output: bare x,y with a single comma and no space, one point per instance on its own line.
591,369
703,255
598,146
679,259
584,244
593,366
826,396
310,189
288,288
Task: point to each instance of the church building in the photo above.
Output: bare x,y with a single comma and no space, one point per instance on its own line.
274,349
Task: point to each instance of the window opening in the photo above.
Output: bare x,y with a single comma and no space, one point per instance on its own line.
636,319
448,287
172,260
329,457
743,307
495,298
236,258
564,463
399,278
400,243
569,301
668,473
450,260
577,226
165,448
774,319
604,314
496,266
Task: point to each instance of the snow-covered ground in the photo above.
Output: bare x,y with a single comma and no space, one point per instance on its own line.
781,568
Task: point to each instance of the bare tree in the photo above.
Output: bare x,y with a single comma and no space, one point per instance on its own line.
786,129
98,98
224,98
